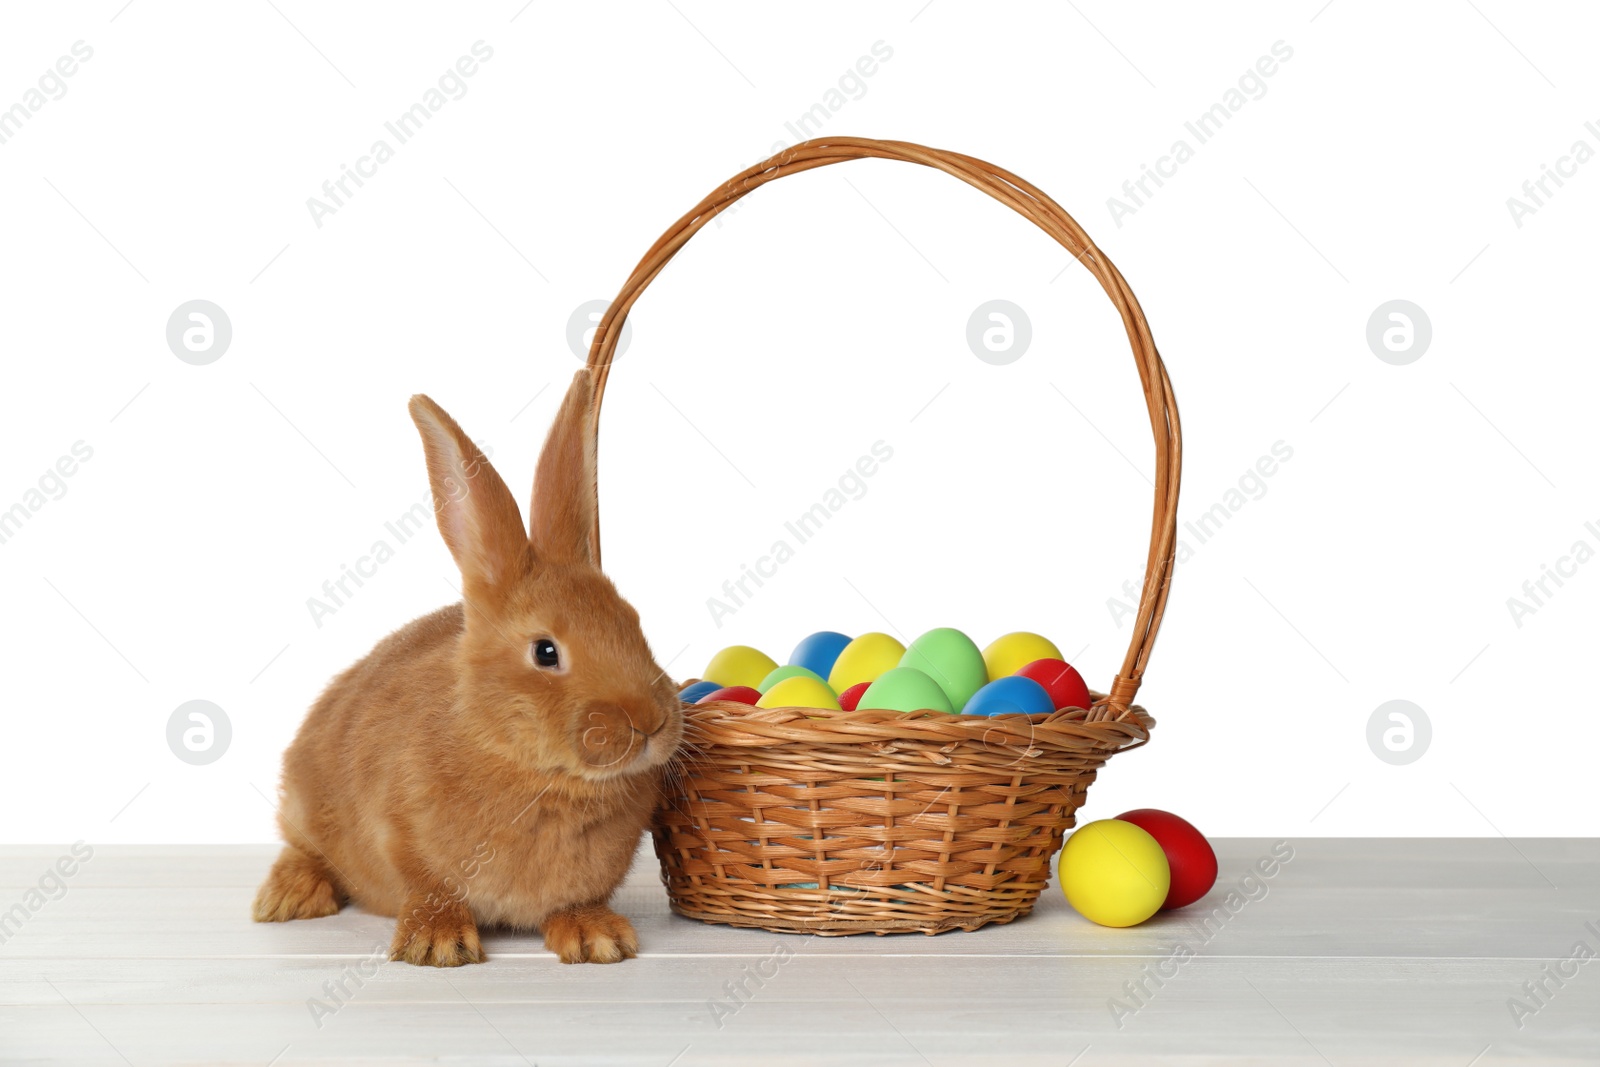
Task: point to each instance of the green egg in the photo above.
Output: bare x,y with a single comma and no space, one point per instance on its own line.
905,689
950,658
778,674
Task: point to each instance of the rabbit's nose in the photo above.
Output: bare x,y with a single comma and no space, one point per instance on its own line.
613,733
605,733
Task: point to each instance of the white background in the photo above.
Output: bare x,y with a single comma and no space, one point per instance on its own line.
828,312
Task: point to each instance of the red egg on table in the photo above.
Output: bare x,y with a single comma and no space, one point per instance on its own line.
741,694
1189,854
850,699
1061,680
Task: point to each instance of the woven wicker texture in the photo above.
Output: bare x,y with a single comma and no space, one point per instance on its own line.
808,821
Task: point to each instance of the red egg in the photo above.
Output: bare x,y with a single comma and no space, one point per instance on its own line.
1061,680
1189,854
739,694
850,699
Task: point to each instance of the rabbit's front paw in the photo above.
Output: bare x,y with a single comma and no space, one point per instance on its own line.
299,887
436,932
590,934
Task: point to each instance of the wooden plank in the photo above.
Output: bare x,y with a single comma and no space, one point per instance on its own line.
1447,923
1333,863
89,923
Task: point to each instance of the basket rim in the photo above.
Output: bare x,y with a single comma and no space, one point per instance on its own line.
732,724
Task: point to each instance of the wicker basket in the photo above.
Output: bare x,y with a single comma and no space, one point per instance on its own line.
799,820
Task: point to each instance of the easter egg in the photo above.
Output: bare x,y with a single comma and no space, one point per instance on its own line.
818,652
1189,854
905,689
1061,680
778,674
1010,696
799,692
739,665
1009,654
741,694
1114,873
863,659
850,699
950,658
691,694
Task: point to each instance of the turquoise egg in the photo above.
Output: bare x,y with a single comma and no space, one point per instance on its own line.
1011,695
951,659
778,674
905,689
817,652
691,693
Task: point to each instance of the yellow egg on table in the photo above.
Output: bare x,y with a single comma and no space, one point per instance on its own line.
863,659
800,691
739,665
1114,873
1009,654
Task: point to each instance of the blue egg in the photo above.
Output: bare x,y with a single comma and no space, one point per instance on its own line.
1011,695
691,693
817,652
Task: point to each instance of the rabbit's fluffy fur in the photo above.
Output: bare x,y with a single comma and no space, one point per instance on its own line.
451,778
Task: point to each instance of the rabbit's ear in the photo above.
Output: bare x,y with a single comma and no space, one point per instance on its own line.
476,512
564,509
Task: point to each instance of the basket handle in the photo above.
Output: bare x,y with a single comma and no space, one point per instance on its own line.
1049,216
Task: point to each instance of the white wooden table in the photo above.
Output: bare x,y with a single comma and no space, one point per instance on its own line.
1355,952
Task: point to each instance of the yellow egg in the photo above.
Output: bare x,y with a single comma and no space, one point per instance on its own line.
1009,654
1114,873
799,692
864,659
739,665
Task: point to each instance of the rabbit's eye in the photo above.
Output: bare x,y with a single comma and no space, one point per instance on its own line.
545,653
